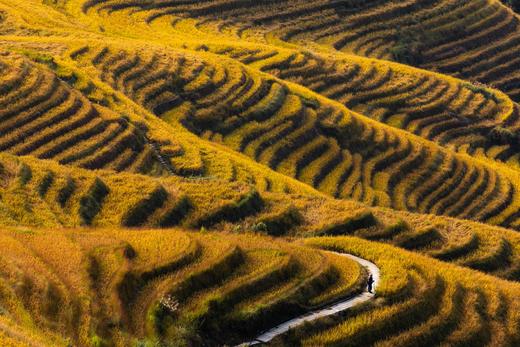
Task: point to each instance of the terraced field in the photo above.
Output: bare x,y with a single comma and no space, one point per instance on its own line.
313,139
426,303
450,36
115,281
37,194
43,117
178,172
124,273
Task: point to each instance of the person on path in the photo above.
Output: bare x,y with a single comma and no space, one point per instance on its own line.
370,283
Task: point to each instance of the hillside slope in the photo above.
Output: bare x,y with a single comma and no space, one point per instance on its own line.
124,287
450,36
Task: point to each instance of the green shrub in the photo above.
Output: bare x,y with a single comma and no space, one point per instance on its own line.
97,341
260,227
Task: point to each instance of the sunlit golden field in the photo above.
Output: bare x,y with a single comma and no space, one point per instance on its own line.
197,173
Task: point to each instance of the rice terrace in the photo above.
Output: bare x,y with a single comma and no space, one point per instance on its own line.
259,172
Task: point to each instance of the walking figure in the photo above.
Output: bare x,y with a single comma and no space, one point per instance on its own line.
370,282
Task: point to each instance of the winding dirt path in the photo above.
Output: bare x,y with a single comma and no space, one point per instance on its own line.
331,309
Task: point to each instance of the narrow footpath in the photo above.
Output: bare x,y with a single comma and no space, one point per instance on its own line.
331,309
